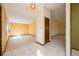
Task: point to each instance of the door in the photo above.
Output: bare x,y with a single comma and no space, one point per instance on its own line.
46,30
0,31
75,26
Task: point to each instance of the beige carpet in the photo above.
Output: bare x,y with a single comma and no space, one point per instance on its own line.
26,46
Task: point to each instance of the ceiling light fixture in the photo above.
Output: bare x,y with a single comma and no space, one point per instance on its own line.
33,6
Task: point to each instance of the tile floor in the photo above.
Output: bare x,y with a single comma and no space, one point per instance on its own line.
26,46
75,52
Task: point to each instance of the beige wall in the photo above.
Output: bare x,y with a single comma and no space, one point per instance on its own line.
40,25
32,28
4,19
61,28
19,29
47,13
57,27
54,27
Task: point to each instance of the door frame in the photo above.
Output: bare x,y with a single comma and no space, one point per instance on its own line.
0,30
49,28
68,45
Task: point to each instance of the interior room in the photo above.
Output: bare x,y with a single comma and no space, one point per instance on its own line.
33,29
74,18
17,33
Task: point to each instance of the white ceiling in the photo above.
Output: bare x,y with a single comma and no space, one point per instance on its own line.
59,14
53,6
21,12
58,11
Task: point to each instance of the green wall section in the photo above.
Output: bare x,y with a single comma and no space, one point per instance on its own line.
74,15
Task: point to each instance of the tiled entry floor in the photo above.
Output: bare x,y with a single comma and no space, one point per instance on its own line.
75,52
26,46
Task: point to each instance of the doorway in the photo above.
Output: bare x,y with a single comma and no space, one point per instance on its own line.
46,30
74,29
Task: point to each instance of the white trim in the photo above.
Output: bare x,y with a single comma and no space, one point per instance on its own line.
67,29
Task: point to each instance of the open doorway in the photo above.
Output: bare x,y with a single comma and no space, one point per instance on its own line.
74,8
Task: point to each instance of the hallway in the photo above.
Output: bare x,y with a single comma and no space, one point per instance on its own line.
26,46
